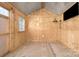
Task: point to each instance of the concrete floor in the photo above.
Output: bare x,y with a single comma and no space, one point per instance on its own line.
43,50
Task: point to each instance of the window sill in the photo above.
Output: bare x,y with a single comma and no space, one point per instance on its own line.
4,16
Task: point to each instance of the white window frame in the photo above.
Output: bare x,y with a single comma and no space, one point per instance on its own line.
21,24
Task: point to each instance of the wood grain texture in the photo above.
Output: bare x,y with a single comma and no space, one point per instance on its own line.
70,33
17,36
41,27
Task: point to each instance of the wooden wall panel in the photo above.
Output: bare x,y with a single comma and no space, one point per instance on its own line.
4,40
4,25
41,27
4,35
70,33
19,36
16,38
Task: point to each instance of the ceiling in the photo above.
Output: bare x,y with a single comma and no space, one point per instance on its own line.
55,7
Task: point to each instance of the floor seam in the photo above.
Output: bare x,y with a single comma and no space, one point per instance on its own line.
53,53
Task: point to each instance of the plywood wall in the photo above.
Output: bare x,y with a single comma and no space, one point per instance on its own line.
41,27
4,35
70,33
17,38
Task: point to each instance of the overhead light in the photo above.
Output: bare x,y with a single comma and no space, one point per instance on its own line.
55,20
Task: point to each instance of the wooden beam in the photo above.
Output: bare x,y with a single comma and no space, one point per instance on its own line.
42,4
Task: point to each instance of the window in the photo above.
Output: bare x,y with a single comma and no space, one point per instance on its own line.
71,12
21,24
4,11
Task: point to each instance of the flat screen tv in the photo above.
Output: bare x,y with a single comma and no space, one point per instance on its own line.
72,12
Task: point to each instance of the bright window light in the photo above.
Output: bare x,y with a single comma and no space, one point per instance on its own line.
4,11
21,24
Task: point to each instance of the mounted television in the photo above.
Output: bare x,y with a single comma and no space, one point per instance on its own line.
72,12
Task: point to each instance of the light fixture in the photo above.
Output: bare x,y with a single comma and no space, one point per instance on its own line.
55,21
